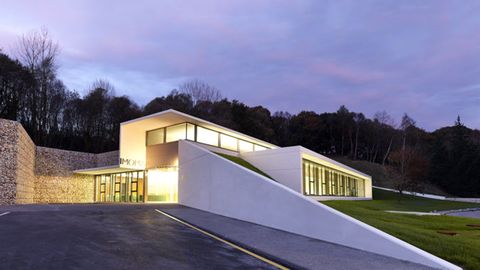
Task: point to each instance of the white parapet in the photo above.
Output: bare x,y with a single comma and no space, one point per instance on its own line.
215,184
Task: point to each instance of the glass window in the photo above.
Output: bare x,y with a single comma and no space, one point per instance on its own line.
155,136
162,185
321,180
245,146
228,142
177,132
257,147
190,132
207,136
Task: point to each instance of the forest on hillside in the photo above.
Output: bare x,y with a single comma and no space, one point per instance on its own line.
55,116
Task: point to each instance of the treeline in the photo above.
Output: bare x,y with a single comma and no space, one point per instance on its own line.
55,116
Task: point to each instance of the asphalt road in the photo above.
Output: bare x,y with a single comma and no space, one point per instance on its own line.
109,237
472,214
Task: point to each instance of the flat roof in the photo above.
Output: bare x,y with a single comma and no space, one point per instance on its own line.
103,170
170,117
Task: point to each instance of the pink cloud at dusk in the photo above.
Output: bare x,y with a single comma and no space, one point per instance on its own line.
422,58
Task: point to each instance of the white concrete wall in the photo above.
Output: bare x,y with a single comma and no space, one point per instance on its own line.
282,164
212,183
285,166
132,147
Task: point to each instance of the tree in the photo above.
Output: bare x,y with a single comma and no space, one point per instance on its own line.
346,122
358,119
408,168
175,100
38,52
120,109
406,124
387,130
200,91
15,82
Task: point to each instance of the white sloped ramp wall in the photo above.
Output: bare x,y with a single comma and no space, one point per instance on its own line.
212,183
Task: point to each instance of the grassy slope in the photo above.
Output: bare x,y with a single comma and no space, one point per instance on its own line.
379,175
462,249
243,163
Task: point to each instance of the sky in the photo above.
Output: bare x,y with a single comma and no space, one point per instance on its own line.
418,57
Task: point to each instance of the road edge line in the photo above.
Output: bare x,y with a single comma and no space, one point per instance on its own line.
3,214
244,250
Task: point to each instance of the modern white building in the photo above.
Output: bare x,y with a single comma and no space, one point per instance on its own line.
172,157
149,167
177,158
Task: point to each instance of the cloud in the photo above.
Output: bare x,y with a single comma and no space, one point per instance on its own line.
415,57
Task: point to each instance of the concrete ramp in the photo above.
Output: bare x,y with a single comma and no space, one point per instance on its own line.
212,183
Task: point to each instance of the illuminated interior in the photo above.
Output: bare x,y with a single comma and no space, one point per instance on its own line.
120,187
202,135
162,185
157,185
320,180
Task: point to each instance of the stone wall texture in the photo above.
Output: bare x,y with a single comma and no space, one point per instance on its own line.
25,167
108,158
55,181
8,161
30,174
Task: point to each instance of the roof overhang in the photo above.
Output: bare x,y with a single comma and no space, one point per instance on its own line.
170,117
102,170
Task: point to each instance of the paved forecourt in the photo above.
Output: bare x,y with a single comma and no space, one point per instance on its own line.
152,236
109,237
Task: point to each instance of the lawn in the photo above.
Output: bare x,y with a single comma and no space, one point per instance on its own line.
243,163
462,249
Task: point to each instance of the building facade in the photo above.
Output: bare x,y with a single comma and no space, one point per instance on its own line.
173,157
148,168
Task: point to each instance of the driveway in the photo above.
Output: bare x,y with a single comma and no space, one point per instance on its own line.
136,236
109,237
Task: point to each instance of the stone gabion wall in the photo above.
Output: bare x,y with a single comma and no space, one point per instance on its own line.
25,167
108,158
54,178
8,161
64,189
30,174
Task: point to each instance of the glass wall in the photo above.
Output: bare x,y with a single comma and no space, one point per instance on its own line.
319,180
200,134
120,187
163,185
175,133
207,136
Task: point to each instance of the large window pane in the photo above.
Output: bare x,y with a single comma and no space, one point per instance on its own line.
163,185
245,146
228,142
155,136
207,136
177,132
190,132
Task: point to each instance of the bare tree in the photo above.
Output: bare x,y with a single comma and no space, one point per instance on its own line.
103,84
200,91
408,169
388,125
358,119
38,52
405,125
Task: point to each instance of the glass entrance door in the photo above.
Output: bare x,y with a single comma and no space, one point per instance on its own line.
120,187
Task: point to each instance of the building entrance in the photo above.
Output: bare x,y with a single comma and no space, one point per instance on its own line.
157,185
120,187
